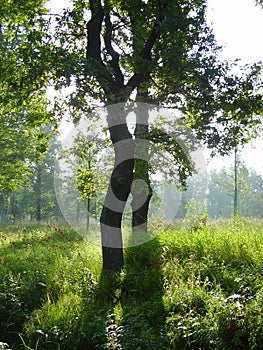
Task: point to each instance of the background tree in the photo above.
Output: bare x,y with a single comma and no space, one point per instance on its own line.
255,200
23,104
89,181
219,203
24,108
221,185
43,198
36,198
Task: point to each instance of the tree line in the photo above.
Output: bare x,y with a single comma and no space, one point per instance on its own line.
36,200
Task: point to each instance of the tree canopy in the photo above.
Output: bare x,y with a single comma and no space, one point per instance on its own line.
162,51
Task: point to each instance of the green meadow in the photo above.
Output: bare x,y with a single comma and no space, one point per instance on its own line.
199,289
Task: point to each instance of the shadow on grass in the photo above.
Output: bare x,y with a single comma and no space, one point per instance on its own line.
128,306
50,296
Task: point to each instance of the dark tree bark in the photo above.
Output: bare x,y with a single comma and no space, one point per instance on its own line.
141,191
117,195
140,211
88,213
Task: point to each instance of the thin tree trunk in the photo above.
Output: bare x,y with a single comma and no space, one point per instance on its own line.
235,185
38,193
88,204
88,213
117,195
78,212
140,212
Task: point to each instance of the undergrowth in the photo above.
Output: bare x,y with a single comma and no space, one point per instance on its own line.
200,289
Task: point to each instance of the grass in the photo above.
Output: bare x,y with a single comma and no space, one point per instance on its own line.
181,290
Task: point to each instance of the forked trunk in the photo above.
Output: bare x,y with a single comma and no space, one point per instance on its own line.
117,195
141,196
141,191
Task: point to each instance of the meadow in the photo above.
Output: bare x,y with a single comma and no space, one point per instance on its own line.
195,289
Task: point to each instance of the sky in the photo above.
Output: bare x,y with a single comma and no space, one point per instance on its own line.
238,27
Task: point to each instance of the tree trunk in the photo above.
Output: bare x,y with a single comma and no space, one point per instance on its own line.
88,213
38,193
235,185
117,195
78,212
141,191
88,203
141,196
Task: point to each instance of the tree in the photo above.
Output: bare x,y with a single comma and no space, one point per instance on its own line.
24,108
43,197
236,190
85,151
160,51
21,140
255,200
23,104
219,201
36,198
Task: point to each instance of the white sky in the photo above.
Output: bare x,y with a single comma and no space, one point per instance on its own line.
238,27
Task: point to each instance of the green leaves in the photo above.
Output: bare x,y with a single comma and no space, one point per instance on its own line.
23,138
24,108
21,11
85,182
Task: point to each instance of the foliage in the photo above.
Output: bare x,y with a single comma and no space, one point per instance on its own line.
4,346
85,182
86,150
221,191
168,55
196,215
36,199
82,169
259,2
24,110
190,290
22,141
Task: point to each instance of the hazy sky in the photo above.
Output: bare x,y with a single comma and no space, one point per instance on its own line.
238,25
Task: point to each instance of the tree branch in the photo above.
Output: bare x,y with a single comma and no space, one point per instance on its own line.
94,49
145,54
94,30
114,55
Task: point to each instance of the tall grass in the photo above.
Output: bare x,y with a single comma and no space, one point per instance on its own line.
181,290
